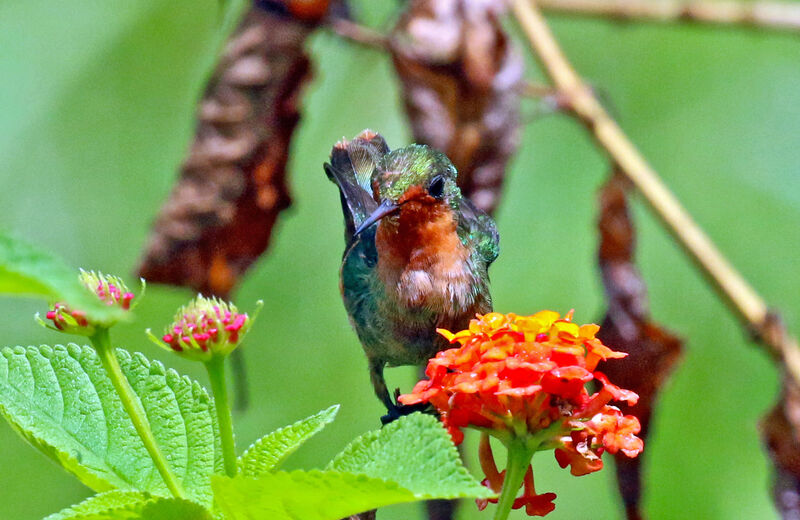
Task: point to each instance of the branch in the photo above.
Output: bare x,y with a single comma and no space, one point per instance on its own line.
768,15
359,34
367,37
745,301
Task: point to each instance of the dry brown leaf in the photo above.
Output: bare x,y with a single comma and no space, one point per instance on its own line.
652,351
219,217
461,77
780,431
232,186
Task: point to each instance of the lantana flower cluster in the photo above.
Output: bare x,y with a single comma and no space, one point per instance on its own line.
110,289
523,380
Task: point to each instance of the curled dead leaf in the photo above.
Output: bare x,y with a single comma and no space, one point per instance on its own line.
219,217
461,79
652,350
780,431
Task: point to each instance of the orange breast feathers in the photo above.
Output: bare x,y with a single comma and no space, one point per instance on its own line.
421,257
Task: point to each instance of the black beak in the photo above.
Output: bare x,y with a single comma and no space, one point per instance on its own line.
386,207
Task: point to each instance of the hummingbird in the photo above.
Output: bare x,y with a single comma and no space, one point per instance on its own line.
417,253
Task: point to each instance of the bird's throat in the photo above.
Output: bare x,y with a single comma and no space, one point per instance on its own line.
422,261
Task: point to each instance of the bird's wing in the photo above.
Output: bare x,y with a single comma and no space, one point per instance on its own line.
359,280
351,168
480,229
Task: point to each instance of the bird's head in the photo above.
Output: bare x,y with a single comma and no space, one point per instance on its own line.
415,176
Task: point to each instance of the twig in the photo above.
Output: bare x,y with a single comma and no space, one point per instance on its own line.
744,300
360,34
532,89
370,38
768,15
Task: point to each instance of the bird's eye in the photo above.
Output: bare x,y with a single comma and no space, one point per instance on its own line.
436,188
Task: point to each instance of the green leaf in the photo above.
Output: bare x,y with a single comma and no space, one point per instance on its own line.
306,495
61,401
416,452
132,505
28,271
267,453
411,459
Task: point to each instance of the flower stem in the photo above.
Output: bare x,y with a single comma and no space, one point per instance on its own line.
519,458
133,408
216,374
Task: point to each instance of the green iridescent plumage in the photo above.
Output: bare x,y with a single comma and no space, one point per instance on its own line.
417,252
415,165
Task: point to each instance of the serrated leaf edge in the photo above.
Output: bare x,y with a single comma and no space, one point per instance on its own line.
327,416
372,436
79,354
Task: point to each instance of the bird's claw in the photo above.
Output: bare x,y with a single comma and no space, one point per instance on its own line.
398,410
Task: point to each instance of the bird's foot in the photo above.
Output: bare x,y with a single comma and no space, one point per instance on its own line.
398,410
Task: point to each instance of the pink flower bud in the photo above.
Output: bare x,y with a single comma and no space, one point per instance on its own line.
109,289
204,328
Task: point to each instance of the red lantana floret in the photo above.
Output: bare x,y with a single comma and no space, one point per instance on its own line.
525,377
60,316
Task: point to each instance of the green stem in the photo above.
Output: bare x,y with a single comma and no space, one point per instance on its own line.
519,457
216,373
133,407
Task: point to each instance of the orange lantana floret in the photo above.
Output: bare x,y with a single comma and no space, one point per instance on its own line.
524,377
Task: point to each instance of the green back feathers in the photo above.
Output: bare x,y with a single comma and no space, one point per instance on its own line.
478,230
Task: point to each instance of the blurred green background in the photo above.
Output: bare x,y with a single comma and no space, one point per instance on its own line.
96,107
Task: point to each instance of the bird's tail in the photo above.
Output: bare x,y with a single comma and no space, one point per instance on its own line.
351,168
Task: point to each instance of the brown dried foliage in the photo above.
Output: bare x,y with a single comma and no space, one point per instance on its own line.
652,351
780,431
461,77
232,186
